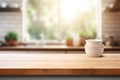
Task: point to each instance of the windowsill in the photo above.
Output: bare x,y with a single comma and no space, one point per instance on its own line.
51,48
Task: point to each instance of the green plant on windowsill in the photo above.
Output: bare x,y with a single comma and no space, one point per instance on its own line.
69,41
11,38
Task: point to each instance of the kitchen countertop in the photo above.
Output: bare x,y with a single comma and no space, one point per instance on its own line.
51,48
59,64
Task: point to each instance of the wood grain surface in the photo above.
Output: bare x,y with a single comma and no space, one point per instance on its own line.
59,64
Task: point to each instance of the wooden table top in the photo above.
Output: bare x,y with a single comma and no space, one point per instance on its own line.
59,64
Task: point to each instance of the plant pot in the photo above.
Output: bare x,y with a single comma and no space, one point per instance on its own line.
82,41
69,42
12,42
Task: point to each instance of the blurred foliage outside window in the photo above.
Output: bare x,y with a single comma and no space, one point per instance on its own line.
56,19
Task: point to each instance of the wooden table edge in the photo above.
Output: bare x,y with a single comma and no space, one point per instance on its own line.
60,72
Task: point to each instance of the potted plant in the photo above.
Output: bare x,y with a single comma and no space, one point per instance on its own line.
69,41
11,38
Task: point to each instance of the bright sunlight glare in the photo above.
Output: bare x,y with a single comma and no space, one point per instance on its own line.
69,8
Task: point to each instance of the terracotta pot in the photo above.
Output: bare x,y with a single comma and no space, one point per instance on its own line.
12,42
69,42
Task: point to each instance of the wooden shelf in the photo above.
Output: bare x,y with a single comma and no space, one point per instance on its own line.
10,10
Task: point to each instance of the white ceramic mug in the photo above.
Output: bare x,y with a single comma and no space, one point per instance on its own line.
94,47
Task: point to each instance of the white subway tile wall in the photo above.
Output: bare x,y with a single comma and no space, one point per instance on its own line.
111,25
110,22
10,21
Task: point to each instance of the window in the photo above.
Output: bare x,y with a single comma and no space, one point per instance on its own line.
57,19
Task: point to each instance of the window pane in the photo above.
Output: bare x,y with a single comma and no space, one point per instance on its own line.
57,19
79,17
42,19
